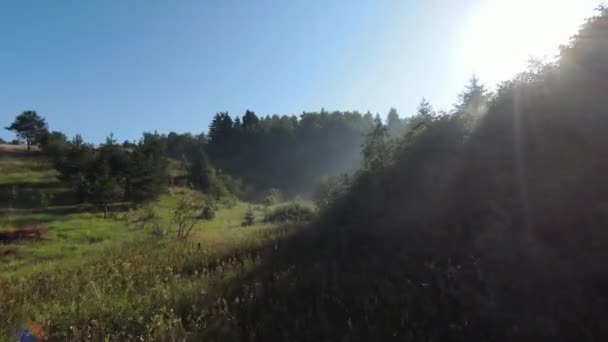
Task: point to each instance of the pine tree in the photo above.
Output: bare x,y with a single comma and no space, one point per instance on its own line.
249,217
30,127
376,149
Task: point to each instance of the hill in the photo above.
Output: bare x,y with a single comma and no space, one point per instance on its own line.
486,224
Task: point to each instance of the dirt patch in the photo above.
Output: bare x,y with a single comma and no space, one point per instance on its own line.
24,234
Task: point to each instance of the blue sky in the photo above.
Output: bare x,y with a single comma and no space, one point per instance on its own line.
124,67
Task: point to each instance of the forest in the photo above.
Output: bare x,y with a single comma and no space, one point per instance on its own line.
483,222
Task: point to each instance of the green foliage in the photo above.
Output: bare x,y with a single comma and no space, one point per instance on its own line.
184,217
205,178
248,218
207,213
54,144
330,190
147,218
286,152
293,212
43,198
377,148
274,196
137,291
29,126
147,174
208,208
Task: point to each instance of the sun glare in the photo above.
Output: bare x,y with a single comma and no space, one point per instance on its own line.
503,35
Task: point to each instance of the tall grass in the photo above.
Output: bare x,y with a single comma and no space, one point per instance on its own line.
153,290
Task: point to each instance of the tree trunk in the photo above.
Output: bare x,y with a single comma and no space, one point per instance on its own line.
105,211
28,142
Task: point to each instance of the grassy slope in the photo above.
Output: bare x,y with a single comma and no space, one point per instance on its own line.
105,276
77,235
16,170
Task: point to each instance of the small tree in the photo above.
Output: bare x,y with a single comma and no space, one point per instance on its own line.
184,218
106,188
29,126
54,144
393,122
377,147
248,218
147,175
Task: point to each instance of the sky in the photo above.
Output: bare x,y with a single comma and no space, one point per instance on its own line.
125,67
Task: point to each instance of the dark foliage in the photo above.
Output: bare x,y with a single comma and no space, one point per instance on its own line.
487,224
248,218
293,212
111,173
29,126
285,152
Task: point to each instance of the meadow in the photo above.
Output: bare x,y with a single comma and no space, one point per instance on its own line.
94,278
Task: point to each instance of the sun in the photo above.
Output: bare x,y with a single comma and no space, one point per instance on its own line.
502,35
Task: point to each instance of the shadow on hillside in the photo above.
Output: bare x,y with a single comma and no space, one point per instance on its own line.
498,238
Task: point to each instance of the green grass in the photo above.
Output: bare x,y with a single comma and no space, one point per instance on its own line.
93,268
140,291
79,235
26,170
97,278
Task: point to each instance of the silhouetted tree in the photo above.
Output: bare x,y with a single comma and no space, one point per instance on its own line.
393,122
376,149
29,126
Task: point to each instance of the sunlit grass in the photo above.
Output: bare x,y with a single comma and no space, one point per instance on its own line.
26,170
73,237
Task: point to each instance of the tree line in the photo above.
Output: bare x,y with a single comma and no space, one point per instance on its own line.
242,156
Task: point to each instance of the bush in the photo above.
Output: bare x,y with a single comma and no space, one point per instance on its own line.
208,212
273,197
147,218
330,189
294,212
184,217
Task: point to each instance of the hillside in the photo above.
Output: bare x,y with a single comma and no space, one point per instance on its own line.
475,228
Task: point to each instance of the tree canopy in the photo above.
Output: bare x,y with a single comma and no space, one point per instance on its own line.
29,126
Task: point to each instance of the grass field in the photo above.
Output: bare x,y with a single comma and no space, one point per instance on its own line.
73,236
17,170
93,278
138,291
91,268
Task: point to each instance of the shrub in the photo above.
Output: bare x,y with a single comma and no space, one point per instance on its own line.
330,189
208,212
273,197
294,212
147,218
184,218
